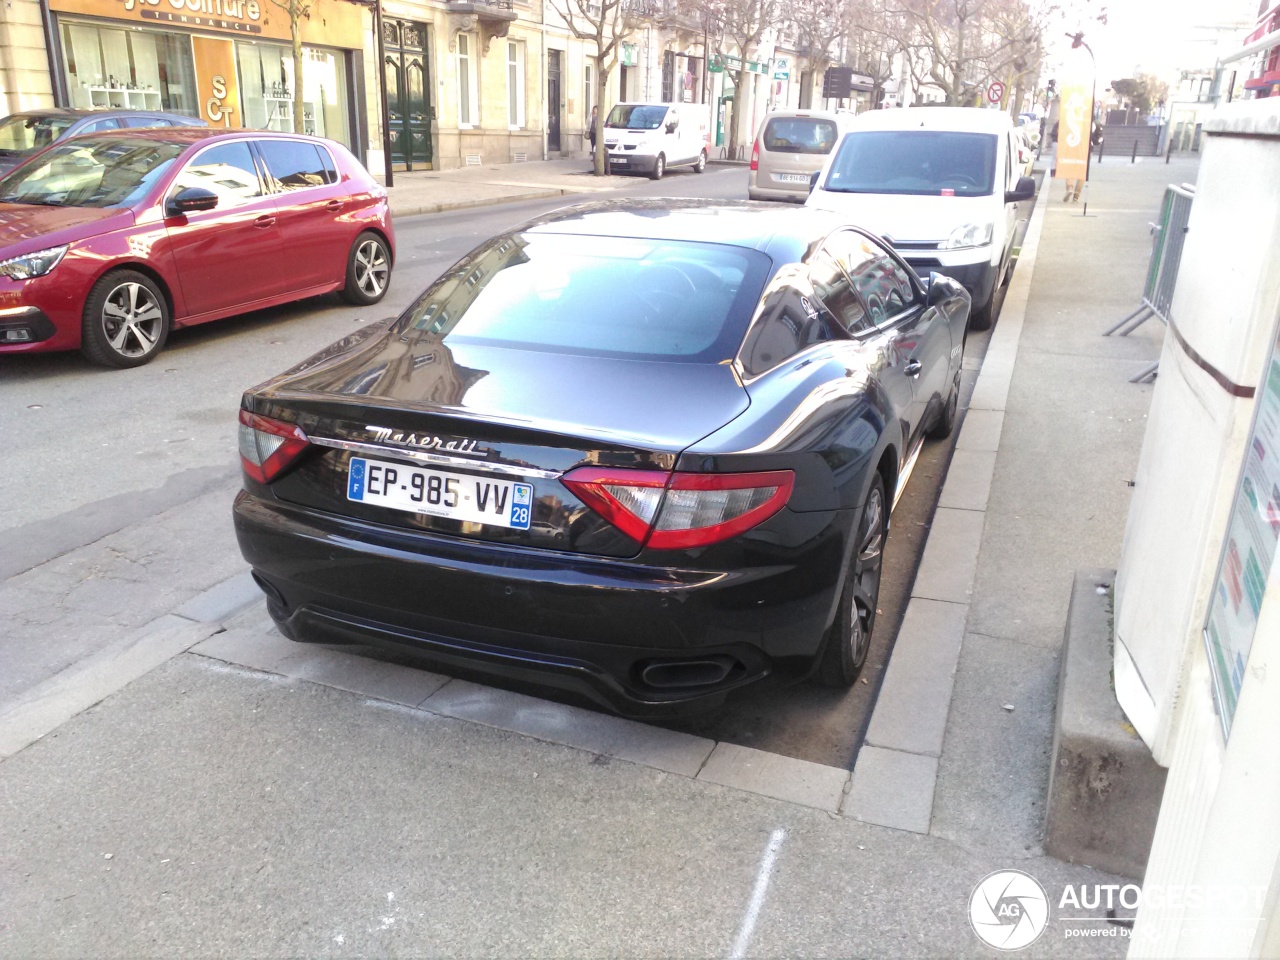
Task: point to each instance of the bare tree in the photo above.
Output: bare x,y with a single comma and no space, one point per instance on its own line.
745,23
877,35
296,11
818,28
607,23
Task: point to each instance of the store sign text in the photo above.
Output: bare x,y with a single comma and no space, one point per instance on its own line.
214,107
231,13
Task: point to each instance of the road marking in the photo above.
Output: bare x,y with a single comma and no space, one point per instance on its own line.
757,895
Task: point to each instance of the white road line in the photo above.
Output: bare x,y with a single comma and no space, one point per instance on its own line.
757,895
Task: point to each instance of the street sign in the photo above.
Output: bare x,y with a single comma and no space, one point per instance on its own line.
724,62
995,92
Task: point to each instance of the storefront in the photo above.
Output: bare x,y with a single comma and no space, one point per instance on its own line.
227,61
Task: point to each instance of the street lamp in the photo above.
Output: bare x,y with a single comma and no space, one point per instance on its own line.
1077,41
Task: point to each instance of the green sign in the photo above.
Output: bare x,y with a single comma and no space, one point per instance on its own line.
781,68
629,58
721,62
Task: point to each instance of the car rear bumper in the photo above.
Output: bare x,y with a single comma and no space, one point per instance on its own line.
638,639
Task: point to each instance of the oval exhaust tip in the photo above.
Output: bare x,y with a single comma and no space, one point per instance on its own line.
669,674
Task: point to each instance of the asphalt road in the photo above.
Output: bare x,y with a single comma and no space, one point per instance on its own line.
89,448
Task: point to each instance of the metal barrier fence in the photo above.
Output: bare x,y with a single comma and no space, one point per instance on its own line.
1162,272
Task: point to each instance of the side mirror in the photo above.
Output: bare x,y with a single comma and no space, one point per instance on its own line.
190,200
813,180
671,127
941,288
1025,190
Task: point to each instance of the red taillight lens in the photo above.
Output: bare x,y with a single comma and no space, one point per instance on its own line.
268,446
755,155
681,510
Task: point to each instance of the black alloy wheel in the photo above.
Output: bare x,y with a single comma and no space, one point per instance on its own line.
368,270
847,642
126,320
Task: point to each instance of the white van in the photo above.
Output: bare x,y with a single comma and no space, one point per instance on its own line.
942,184
650,137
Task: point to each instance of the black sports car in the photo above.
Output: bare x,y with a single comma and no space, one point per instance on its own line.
645,450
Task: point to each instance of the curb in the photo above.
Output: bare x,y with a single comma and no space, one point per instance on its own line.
895,777
415,209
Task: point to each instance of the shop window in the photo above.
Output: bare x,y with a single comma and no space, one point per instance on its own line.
468,106
515,85
128,69
294,165
266,90
228,170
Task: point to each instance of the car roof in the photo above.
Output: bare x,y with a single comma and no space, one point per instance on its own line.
957,119
191,135
80,112
783,232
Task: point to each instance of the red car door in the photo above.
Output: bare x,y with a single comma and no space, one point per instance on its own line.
233,255
310,202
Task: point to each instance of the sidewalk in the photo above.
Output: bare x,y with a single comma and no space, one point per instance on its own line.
250,797
436,191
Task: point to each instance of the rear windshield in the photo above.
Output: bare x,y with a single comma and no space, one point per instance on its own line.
636,116
598,296
934,162
799,135
23,133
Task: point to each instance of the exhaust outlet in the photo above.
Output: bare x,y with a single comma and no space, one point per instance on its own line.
676,674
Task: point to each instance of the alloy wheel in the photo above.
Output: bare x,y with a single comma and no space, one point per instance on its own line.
865,582
132,320
372,268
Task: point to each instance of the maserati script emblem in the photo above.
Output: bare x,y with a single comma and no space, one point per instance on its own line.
421,441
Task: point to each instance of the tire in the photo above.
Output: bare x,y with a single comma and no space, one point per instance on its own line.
126,320
980,318
946,422
844,649
701,165
659,167
368,270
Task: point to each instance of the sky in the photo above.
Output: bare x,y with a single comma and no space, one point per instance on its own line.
1161,36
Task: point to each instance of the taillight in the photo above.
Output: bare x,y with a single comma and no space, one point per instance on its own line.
681,510
755,155
268,446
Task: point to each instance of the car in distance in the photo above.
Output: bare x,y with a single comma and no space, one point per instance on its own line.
791,147
643,450
651,137
110,240
943,185
27,133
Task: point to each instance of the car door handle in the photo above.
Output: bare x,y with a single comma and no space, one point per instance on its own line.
264,222
334,205
913,368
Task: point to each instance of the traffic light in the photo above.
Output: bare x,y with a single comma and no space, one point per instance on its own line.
837,83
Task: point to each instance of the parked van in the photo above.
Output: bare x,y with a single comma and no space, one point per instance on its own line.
792,144
943,185
650,137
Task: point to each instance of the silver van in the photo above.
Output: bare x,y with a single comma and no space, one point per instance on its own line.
791,147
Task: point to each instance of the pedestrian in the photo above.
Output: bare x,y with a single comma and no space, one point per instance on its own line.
591,131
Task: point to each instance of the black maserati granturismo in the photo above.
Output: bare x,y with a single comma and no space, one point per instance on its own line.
645,450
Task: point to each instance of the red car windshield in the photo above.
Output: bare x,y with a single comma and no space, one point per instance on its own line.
90,172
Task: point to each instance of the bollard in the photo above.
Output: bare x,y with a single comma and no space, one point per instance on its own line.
1101,144
1169,153
1134,158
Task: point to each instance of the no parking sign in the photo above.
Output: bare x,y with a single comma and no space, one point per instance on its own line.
995,92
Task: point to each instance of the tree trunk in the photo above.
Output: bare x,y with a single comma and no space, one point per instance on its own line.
602,152
295,30
739,105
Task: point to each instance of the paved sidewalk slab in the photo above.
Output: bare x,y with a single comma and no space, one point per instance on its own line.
950,557
968,483
911,711
891,788
359,674
609,736
771,775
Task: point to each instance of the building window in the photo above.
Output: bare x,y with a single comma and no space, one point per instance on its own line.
266,90
588,91
133,69
515,85
468,100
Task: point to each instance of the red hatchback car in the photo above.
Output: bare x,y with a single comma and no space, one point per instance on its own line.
108,241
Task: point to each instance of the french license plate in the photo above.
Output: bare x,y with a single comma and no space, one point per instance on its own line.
438,493
792,178
619,161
